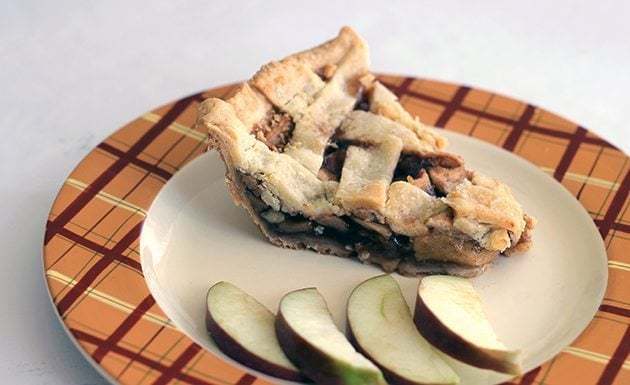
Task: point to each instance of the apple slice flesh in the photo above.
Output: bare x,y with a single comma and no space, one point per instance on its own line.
450,315
309,337
381,326
244,329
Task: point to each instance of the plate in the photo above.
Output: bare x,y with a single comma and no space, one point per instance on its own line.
100,261
540,301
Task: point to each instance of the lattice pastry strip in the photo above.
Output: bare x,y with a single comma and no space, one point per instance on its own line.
366,176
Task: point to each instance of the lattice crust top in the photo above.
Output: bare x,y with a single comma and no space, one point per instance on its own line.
315,137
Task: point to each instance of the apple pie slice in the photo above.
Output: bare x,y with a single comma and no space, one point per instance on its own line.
324,157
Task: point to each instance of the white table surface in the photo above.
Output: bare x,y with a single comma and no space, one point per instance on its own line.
72,72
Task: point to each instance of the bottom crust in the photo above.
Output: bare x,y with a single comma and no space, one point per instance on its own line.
404,267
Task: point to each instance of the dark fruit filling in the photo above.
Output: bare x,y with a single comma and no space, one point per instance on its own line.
275,130
363,103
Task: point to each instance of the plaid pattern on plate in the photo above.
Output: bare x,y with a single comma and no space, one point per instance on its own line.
92,260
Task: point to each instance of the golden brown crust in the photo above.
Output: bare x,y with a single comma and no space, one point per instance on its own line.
383,102
486,210
525,242
409,207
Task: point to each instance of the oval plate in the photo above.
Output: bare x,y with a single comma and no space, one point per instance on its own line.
548,296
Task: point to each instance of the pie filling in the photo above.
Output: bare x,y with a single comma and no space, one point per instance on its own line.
275,130
437,175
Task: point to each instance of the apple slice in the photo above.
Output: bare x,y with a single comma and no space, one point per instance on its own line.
309,337
244,329
449,314
381,326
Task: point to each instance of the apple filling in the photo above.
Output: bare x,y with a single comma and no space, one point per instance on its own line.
437,175
274,130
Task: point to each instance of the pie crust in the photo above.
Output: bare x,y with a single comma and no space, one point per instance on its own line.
323,156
